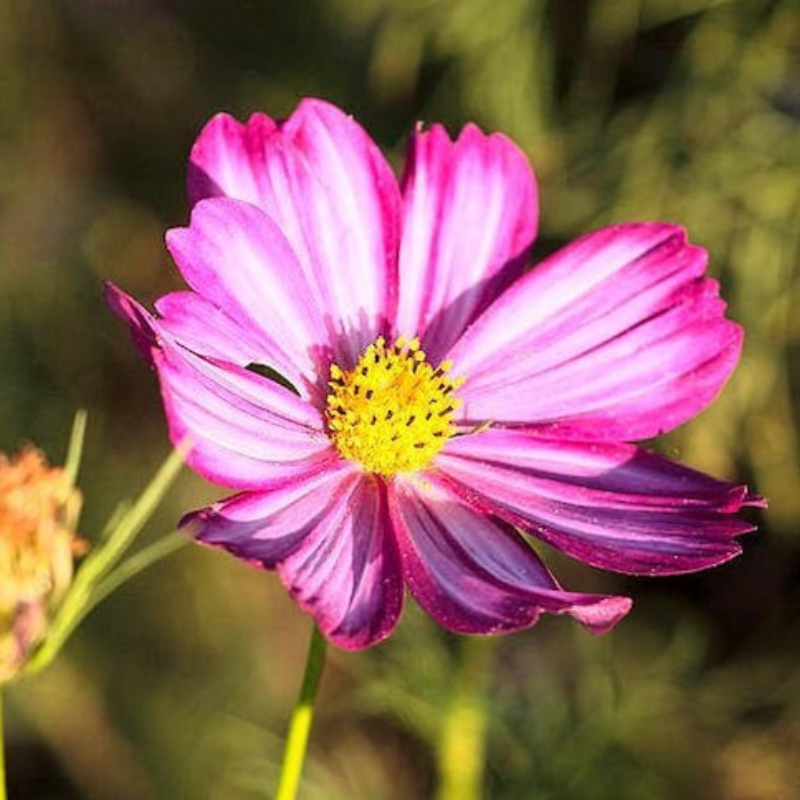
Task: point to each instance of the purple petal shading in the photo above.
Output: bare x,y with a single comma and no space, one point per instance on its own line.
616,337
473,575
613,506
235,257
469,219
328,535
329,189
266,526
346,571
246,431
138,320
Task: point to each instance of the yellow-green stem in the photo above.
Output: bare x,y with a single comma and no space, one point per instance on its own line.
2,752
462,743
300,724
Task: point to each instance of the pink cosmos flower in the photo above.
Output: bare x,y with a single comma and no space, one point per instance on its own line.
399,402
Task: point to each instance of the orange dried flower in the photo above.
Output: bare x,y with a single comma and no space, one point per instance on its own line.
38,511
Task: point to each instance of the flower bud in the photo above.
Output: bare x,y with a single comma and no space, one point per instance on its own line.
38,510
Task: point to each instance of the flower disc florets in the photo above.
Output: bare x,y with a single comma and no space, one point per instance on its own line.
393,411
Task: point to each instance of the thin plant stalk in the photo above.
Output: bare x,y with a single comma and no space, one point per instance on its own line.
462,745
2,752
302,718
101,571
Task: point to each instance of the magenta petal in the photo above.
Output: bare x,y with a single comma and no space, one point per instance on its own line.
328,535
246,431
328,188
193,322
346,571
614,506
138,320
266,526
205,329
616,337
473,575
228,158
235,257
469,220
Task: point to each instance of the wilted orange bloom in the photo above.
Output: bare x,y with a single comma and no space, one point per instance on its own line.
38,511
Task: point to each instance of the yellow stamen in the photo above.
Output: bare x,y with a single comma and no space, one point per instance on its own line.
393,411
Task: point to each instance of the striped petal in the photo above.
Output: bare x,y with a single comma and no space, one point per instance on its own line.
330,191
208,330
246,431
346,571
613,506
475,575
328,536
616,337
234,256
265,527
469,220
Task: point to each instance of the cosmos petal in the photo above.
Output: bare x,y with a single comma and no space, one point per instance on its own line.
235,257
616,337
139,321
473,575
469,219
330,191
346,571
266,526
227,159
208,330
613,506
246,431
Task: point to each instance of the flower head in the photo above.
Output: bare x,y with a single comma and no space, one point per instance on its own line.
38,507
398,402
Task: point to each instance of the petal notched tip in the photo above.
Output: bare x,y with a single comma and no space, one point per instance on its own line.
753,500
602,616
474,575
614,507
221,156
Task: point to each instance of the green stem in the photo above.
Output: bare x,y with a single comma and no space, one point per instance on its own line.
100,572
462,745
302,716
2,753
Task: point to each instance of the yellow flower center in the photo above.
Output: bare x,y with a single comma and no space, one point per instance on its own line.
393,411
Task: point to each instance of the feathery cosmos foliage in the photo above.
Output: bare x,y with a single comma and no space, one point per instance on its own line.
399,402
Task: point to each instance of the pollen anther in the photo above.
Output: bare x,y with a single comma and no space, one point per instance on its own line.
393,412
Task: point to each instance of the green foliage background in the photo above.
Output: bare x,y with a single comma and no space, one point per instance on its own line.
180,685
